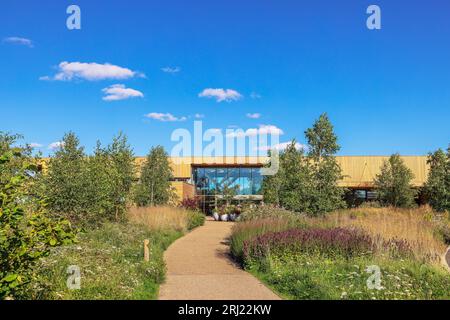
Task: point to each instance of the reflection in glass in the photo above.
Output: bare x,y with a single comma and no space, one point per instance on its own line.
210,181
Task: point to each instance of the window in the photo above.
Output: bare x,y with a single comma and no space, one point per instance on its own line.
211,181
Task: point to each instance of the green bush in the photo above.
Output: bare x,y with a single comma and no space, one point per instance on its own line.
25,236
195,219
393,183
269,211
437,187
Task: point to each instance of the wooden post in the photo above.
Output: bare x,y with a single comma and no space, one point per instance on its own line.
146,250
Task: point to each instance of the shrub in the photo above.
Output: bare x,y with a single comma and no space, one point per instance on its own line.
25,237
393,183
438,184
195,219
268,211
190,203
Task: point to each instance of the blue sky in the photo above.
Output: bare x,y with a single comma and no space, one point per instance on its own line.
385,91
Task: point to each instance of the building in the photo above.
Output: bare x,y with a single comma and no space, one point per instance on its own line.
209,177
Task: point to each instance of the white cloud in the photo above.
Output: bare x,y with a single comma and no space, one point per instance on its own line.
262,130
171,70
164,117
68,71
255,95
282,146
254,115
120,92
55,145
199,116
35,145
20,41
220,94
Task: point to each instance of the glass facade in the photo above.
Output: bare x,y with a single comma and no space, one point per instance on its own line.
213,181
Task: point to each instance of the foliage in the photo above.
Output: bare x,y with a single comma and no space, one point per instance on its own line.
122,166
393,183
65,184
7,144
111,262
438,183
268,211
190,203
24,236
322,146
90,190
307,183
154,187
195,219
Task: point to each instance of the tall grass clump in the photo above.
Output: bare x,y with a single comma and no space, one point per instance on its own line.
166,218
420,228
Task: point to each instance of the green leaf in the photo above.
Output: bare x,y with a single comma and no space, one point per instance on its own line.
10,277
53,242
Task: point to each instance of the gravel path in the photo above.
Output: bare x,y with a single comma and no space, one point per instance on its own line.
199,268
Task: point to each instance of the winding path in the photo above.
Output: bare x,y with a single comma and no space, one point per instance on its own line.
199,268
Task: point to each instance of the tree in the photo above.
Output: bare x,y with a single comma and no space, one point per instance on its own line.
437,186
65,183
296,187
325,194
308,183
25,235
393,183
154,187
271,185
122,164
98,175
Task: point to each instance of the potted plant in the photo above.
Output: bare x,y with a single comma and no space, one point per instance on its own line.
215,214
237,210
224,216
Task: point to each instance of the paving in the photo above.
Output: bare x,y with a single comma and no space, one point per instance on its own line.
199,268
